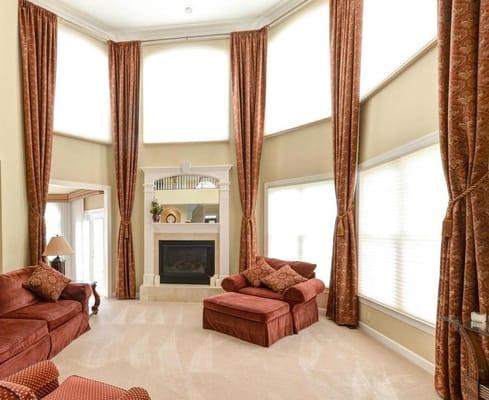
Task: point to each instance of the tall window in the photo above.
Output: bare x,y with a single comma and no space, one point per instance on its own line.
393,31
186,92
300,223
402,204
298,77
82,102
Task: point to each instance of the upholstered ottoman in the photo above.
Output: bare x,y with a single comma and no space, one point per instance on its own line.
254,319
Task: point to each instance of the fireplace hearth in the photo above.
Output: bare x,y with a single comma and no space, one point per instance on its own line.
186,261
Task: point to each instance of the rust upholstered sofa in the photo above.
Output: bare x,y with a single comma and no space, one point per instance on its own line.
32,330
40,381
260,315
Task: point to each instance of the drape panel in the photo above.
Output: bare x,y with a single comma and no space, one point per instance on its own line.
345,37
248,69
38,41
124,66
463,41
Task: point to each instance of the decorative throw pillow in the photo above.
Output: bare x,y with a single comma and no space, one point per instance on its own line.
282,279
258,271
47,283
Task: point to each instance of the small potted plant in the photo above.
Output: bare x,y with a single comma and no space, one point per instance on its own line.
156,210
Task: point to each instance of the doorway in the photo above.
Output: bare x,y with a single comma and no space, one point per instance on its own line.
81,214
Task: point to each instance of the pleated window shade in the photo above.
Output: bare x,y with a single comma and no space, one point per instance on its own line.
82,101
300,224
401,208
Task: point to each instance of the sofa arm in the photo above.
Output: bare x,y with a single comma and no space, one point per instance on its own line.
234,283
136,393
78,291
305,291
41,378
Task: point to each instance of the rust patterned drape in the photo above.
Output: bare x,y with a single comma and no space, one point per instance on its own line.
38,39
124,65
345,37
463,41
249,69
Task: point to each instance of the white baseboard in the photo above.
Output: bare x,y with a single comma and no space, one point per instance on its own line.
398,348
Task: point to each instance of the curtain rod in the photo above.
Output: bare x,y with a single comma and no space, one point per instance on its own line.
223,35
226,35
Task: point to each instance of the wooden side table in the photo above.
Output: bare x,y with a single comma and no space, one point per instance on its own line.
93,285
475,377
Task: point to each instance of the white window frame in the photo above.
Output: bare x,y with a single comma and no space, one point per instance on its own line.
288,182
398,152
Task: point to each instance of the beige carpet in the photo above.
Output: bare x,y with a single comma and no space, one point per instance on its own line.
162,347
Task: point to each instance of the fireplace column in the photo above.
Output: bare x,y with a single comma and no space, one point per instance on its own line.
224,228
150,278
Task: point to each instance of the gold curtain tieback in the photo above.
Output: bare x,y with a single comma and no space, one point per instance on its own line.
448,221
125,224
341,226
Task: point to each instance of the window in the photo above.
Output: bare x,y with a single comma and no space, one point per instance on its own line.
186,92
300,223
393,31
402,205
298,77
82,102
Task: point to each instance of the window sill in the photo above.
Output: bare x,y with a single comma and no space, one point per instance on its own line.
408,319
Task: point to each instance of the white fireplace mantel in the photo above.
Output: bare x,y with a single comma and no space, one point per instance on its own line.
152,174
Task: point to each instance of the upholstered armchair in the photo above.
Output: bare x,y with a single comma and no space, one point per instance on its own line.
301,297
40,381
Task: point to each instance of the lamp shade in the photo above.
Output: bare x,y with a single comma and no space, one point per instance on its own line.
58,246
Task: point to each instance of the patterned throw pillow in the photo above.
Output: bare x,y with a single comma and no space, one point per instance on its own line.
282,279
47,283
258,271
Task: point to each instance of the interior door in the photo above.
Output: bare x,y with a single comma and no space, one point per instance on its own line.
95,248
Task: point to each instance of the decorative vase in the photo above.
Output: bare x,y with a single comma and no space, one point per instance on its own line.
156,217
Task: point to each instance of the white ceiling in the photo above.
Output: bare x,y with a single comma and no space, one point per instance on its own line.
150,19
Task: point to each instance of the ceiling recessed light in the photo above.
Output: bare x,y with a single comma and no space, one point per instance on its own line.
188,10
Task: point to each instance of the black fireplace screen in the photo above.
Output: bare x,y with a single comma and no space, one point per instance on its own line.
186,261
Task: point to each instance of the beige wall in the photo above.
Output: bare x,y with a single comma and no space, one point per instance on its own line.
93,202
14,233
403,110
82,161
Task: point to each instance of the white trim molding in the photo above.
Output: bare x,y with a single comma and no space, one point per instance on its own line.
398,348
102,31
407,319
398,152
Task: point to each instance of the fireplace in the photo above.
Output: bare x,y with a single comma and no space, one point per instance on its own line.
186,261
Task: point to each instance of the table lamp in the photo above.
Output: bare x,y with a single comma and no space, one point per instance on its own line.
58,246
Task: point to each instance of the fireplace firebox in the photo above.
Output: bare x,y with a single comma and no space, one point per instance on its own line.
186,261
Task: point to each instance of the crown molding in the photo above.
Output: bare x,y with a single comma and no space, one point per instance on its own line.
75,195
102,32
92,27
